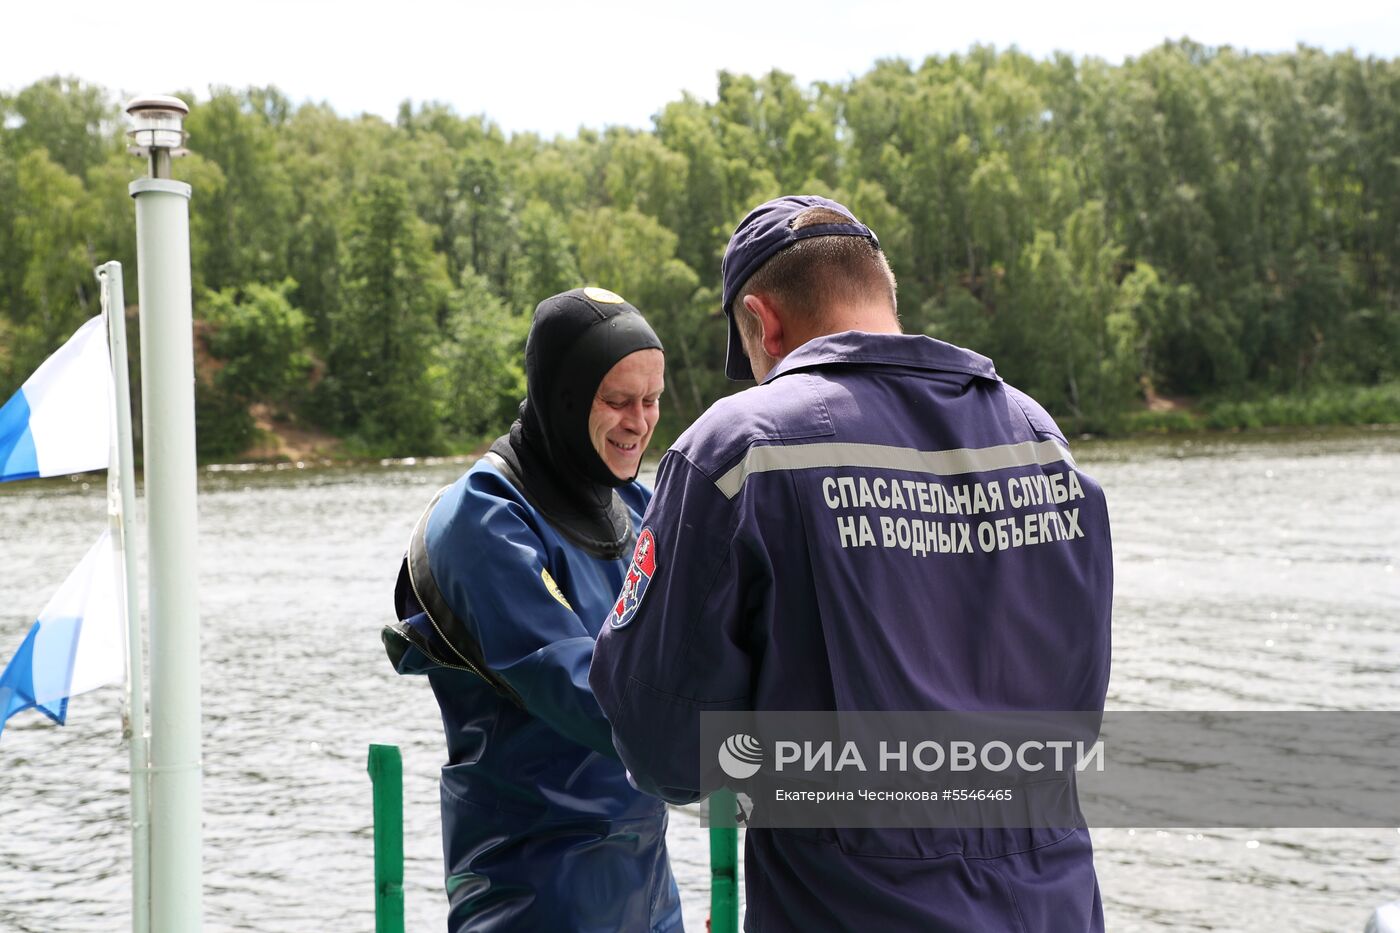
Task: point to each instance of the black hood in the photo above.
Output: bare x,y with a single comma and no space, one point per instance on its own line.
575,338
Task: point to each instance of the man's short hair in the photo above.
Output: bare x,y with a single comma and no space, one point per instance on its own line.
819,274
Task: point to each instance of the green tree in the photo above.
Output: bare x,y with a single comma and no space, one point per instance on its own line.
259,337
548,263
379,384
76,123
55,290
482,356
253,209
1194,220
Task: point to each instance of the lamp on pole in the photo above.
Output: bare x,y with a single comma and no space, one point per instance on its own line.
167,404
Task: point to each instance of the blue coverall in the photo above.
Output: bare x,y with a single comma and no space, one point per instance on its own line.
778,569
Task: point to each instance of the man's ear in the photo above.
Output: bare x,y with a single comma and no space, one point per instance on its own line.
773,337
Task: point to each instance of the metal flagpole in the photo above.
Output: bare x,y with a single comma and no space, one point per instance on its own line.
167,405
121,498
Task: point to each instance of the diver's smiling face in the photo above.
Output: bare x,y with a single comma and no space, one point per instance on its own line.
625,409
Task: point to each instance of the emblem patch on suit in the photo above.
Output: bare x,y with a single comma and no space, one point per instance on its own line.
634,585
553,587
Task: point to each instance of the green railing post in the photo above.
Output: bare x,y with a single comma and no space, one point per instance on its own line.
386,773
724,864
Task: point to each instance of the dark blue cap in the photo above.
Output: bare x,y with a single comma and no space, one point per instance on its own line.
763,233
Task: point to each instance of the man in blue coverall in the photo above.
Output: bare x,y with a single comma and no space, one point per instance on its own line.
768,576
508,576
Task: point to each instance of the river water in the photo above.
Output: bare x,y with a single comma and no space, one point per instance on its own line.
1253,572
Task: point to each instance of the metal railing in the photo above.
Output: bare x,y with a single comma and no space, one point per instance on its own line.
386,774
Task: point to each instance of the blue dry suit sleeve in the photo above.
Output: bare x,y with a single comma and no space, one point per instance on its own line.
684,647
489,564
414,661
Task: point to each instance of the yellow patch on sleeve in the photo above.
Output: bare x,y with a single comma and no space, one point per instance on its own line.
602,295
553,588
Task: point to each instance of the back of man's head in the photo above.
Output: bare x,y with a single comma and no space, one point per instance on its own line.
824,274
810,258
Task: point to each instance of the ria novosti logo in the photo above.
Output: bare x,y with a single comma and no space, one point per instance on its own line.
740,756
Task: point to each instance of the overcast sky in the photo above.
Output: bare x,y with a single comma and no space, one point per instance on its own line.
551,67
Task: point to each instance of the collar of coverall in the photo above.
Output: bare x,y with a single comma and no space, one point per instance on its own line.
908,350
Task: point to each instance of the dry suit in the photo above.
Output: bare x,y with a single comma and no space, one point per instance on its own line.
509,575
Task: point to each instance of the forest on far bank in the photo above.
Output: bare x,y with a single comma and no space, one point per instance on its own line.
1195,222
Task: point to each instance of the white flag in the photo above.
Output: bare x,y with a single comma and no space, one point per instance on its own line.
59,421
78,644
